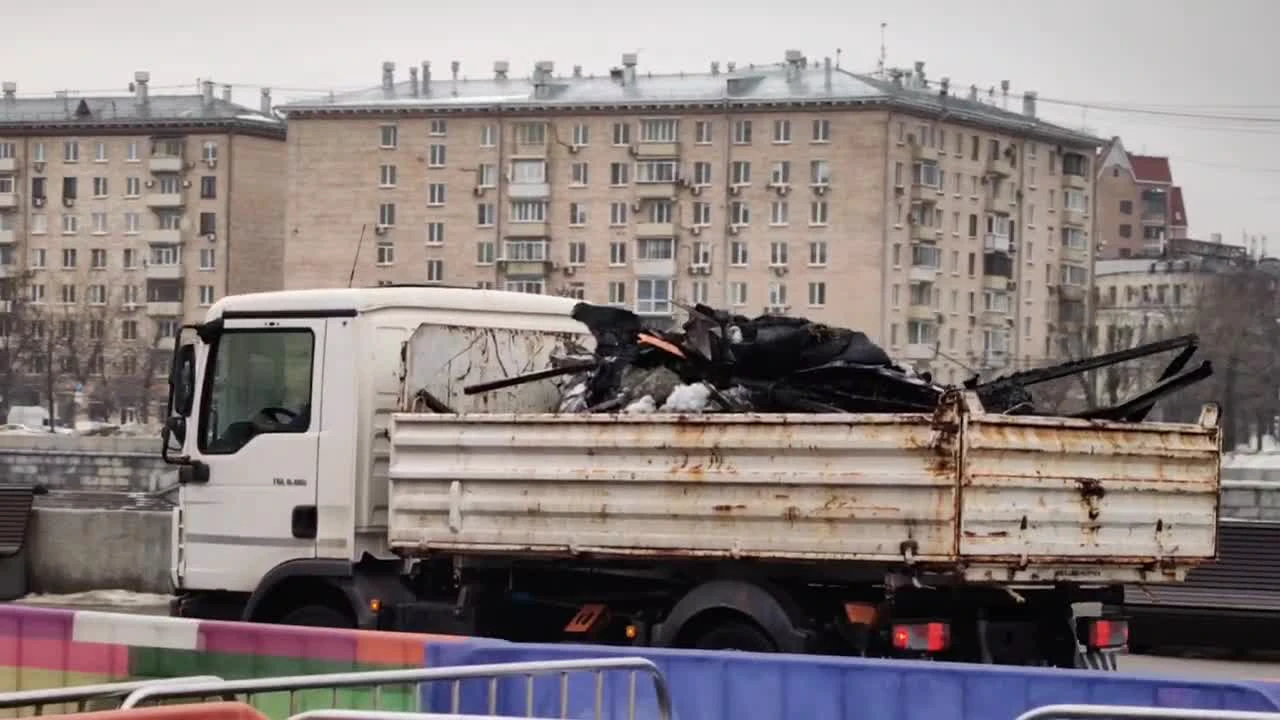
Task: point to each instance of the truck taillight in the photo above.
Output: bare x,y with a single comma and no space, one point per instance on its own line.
1104,633
922,637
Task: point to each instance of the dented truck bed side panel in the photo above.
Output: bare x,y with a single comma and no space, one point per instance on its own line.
1102,501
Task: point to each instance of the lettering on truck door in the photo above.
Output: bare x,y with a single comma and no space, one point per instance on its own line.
258,432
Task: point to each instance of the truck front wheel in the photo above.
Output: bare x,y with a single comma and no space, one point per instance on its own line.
734,635
318,616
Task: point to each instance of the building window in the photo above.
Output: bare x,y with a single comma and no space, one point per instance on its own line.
437,127
435,233
487,175
617,292
653,296
209,153
525,172
1126,231
208,259
435,271
780,173
578,174
619,174
618,214
485,214
702,174
1126,207
701,214
737,294
702,132
655,249
435,194
488,136
386,176
485,252
581,135
99,223
70,224
208,187
98,259
387,214
781,131
621,134
100,152
436,156
617,253
738,254
99,187
206,295
388,136
208,223
817,294
132,223
818,253
577,253
819,173
778,254
779,213
656,171
777,295
739,213
659,131
577,214
71,151
742,132
528,211
818,213
821,133
702,254
386,254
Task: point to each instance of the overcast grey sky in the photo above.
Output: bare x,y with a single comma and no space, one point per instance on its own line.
1184,57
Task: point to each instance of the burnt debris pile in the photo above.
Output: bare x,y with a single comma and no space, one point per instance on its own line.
723,362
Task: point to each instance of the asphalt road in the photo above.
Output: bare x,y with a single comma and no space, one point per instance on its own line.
1267,668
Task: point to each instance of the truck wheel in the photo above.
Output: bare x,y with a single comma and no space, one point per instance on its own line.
735,635
317,616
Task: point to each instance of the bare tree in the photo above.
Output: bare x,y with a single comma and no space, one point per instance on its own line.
17,342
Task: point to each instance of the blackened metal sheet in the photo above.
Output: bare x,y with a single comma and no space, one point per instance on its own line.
1246,575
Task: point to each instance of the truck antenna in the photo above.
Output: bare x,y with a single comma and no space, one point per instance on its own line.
356,260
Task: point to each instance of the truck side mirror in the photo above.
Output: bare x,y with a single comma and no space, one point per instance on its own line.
183,380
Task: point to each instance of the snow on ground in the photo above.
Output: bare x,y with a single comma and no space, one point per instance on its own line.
122,599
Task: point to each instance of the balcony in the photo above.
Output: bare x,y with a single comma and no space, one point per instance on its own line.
7,237
528,229
995,282
655,229
995,359
166,344
529,191
163,237
657,150
166,164
163,200
656,191
996,243
920,151
1075,253
1074,182
924,264
1154,217
656,268
8,271
920,351
8,165
925,193
8,201
1000,166
6,307
921,312
525,268
164,308
1071,292
528,150
1071,216
997,206
925,233
172,271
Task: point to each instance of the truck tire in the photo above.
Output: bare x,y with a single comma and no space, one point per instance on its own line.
734,635
317,616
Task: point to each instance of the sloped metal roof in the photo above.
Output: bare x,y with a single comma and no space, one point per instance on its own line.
124,111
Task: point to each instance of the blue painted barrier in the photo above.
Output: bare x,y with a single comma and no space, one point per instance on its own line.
748,686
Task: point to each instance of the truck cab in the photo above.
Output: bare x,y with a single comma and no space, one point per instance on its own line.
278,410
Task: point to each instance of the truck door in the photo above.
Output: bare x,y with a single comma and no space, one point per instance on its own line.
257,426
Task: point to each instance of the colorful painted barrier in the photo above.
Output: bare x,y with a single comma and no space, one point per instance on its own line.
51,648
748,686
41,648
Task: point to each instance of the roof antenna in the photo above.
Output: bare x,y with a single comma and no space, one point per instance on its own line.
883,53
356,260
839,52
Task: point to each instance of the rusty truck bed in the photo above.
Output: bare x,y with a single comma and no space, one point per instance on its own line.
1007,499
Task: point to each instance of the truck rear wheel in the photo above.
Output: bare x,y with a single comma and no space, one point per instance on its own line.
317,616
734,635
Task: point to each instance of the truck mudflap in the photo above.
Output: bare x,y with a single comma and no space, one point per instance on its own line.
993,498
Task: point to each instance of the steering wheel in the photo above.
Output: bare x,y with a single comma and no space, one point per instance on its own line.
275,413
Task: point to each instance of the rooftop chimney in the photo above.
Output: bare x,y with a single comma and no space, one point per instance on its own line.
1215,238
206,89
896,75
826,72
266,101
10,89
413,81
140,80
731,65
715,67
944,87
388,76
577,71
973,93
629,62
500,69
794,63
921,82
455,67
226,93
1029,103
426,78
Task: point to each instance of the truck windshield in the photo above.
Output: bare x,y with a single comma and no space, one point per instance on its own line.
259,382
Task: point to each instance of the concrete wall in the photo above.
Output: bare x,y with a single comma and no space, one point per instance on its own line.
67,462
73,550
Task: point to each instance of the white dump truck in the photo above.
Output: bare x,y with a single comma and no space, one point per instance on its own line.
317,488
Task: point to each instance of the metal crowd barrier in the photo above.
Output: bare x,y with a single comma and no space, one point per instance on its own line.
1139,712
373,715
378,679
81,695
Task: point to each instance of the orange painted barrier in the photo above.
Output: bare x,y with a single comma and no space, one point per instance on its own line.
191,711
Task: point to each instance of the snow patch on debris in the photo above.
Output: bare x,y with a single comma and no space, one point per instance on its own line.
688,399
643,406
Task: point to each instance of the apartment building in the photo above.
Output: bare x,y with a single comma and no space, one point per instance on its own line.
949,229
1139,207
121,217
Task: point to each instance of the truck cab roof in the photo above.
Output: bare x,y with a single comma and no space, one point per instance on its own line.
346,302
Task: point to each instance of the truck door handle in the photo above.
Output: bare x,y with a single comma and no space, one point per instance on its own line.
303,522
